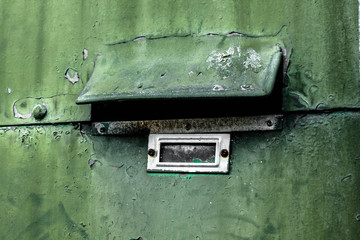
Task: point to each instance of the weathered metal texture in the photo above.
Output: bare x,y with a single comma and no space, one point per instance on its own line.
185,67
196,125
299,183
39,41
44,182
303,182
48,49
58,182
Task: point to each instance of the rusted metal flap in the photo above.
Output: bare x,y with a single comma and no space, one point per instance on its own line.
184,67
195,125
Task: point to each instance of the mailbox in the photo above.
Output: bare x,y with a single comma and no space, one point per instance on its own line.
228,70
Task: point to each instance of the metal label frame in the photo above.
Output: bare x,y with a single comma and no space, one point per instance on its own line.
220,165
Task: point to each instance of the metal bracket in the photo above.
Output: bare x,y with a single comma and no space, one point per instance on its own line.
195,125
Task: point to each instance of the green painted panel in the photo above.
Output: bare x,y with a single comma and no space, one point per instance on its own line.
324,71
299,183
44,182
40,41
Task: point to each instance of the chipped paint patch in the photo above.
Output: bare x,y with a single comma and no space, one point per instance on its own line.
85,54
218,87
246,87
222,60
72,75
253,60
19,115
225,60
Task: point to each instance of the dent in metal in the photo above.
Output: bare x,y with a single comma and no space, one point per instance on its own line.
39,111
56,109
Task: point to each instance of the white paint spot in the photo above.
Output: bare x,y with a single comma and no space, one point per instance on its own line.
253,59
245,87
223,60
9,90
73,79
233,56
85,53
19,115
139,38
218,87
230,51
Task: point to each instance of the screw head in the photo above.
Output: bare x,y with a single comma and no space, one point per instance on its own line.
224,153
151,152
269,123
102,129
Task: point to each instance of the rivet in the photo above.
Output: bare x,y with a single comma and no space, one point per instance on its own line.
151,152
224,153
39,111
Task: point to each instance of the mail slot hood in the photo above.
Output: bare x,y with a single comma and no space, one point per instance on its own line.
208,66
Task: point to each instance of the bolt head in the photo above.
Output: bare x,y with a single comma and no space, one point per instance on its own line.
39,111
151,152
102,129
269,123
224,153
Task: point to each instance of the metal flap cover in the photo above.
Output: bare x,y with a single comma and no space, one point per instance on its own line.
184,67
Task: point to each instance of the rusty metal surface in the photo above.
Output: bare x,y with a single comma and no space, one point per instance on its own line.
200,125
